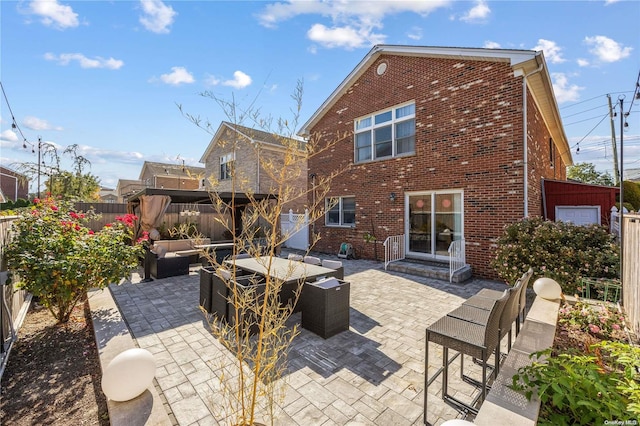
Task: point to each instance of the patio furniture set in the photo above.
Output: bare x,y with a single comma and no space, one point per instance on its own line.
476,328
323,301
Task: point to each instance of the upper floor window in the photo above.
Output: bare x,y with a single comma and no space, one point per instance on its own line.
226,165
386,134
341,211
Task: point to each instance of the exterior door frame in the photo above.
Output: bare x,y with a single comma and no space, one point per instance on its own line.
456,235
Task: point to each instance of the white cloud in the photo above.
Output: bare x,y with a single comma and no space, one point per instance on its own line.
491,45
564,91
9,136
347,37
582,62
54,14
551,50
157,17
211,81
477,13
606,49
177,76
97,62
353,24
415,33
608,2
35,123
240,80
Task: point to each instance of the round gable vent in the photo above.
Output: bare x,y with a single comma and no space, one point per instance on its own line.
381,68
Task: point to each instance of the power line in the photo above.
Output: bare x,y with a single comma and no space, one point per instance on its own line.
14,123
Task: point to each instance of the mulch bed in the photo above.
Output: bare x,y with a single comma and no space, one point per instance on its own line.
53,374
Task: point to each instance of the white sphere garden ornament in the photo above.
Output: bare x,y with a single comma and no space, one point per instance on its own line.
129,374
547,288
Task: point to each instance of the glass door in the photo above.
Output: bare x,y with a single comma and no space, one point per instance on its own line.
434,220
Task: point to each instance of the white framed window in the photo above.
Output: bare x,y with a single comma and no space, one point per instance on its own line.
385,134
226,165
341,211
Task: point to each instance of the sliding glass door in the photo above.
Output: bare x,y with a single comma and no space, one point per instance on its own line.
433,220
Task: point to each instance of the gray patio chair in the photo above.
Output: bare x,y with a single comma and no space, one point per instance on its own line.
242,256
467,338
293,256
312,260
509,315
483,299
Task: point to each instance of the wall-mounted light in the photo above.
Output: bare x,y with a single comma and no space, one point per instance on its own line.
392,196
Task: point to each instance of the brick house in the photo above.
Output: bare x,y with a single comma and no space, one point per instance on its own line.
438,151
243,148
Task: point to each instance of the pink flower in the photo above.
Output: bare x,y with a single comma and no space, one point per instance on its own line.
54,208
615,327
594,328
91,232
36,200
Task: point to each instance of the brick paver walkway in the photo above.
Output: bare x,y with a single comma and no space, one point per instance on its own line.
372,374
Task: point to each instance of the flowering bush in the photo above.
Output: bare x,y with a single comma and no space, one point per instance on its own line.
558,250
57,258
600,320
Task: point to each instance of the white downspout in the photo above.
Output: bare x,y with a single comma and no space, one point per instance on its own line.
526,147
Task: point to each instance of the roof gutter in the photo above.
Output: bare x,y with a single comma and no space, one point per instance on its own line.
525,136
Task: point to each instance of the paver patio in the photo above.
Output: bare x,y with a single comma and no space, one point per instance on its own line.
372,374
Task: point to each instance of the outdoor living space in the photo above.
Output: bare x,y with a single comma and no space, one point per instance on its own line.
372,374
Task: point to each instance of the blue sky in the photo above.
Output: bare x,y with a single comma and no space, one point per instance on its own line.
108,75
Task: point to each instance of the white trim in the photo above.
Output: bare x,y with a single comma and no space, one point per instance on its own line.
514,57
432,194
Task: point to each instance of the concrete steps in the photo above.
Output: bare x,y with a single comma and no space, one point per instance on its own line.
430,269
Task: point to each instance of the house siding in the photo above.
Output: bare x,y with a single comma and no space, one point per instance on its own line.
469,136
247,169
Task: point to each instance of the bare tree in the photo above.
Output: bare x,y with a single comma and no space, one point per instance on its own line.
257,334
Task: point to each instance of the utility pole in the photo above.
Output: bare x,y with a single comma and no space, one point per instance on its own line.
616,172
39,149
621,227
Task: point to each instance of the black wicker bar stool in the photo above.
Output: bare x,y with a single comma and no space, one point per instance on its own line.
467,338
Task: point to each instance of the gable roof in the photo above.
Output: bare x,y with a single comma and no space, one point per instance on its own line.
254,136
169,169
523,62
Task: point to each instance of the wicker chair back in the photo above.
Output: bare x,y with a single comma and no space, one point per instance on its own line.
492,329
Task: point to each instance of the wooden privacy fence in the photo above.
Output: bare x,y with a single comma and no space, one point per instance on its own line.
201,215
631,269
12,300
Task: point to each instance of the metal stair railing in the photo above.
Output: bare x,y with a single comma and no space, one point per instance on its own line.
457,257
393,249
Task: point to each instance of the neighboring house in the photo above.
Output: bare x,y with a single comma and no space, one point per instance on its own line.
447,144
108,195
13,185
171,176
242,148
128,187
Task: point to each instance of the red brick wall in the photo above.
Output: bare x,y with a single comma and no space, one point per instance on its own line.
468,136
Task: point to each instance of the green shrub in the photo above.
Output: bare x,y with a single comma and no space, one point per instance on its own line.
589,389
631,194
558,250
